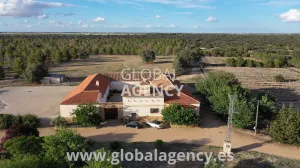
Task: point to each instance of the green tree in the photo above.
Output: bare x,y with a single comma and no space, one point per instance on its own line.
106,162
87,115
34,73
2,74
148,56
240,62
56,147
178,115
286,126
24,145
18,66
231,62
178,66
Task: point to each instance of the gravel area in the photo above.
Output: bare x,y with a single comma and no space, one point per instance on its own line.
42,101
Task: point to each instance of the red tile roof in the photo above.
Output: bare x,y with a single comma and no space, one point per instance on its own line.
181,98
88,91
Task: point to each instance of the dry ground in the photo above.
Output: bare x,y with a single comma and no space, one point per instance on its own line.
110,63
41,100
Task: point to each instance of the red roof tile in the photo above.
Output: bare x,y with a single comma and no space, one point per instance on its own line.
181,98
88,90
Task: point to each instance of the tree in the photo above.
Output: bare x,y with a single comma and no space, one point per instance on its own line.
178,115
178,66
240,62
24,145
34,73
2,74
87,115
56,147
286,126
18,66
17,131
106,162
148,56
231,62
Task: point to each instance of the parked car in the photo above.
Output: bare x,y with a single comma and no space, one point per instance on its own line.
134,124
156,124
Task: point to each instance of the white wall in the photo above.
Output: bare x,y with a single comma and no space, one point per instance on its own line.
65,110
142,105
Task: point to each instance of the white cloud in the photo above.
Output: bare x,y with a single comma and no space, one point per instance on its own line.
26,8
212,19
171,26
69,14
43,16
177,3
85,26
148,26
79,22
26,21
292,16
99,19
159,17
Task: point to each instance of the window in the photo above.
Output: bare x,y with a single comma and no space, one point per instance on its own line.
154,110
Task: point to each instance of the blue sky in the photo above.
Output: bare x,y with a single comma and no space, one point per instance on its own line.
192,16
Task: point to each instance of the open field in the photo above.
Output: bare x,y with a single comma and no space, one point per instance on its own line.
42,101
219,61
110,63
262,79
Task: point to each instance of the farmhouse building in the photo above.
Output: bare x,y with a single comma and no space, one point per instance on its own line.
147,94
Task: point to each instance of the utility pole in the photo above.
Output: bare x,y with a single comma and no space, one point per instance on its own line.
227,142
257,109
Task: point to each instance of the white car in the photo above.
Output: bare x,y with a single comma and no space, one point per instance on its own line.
156,124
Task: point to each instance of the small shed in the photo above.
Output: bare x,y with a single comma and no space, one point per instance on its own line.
53,79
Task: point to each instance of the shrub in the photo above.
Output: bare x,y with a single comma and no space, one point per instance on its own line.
231,62
17,131
34,72
87,115
159,144
178,66
6,121
115,145
178,115
240,62
286,127
17,120
24,145
279,78
148,56
105,163
56,146
2,74
31,120
58,121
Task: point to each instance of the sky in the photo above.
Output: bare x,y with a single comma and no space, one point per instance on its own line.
166,16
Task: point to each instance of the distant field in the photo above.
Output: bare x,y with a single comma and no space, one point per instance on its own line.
110,63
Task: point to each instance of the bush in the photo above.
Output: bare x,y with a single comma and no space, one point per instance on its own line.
240,62
34,72
231,62
148,56
286,127
115,145
87,115
2,74
24,145
178,115
56,146
31,120
6,121
279,78
58,121
178,66
105,163
159,144
17,131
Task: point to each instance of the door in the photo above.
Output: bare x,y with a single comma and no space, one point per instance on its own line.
111,113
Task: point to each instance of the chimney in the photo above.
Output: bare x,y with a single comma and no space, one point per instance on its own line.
97,83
